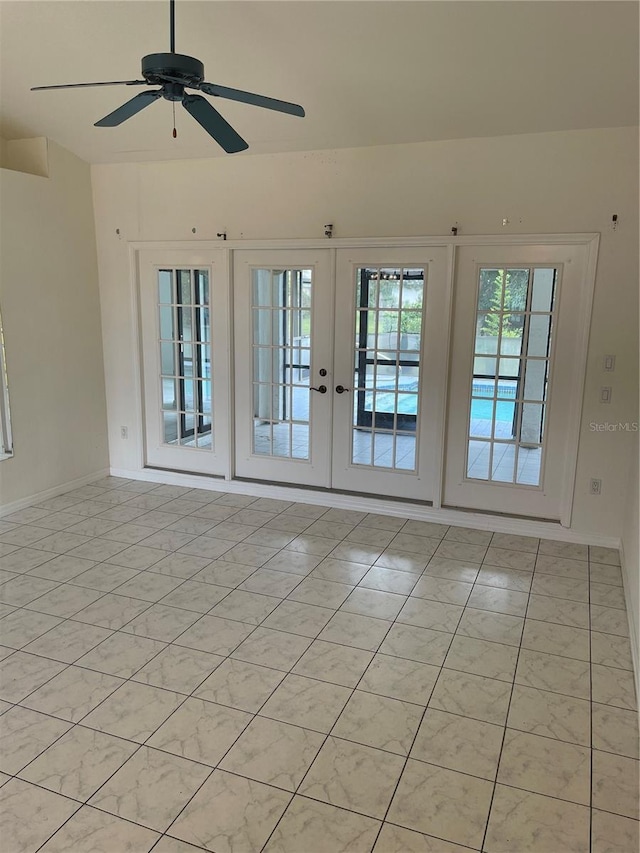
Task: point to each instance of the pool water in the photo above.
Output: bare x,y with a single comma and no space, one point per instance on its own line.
407,404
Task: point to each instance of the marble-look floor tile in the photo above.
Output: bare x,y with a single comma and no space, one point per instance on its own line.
614,834
398,678
96,831
609,650
321,593
21,674
215,635
350,629
615,784
562,567
63,568
313,545
98,549
471,696
271,582
180,565
315,705
480,657
609,620
515,543
340,571
148,586
459,551
112,611
333,663
563,549
276,649
121,654
379,538
615,730
274,753
544,608
459,743
151,789
556,639
403,561
23,589
389,580
379,721
443,803
240,685
29,815
167,844
79,762
23,626
73,693
520,820
419,644
310,825
134,711
23,559
65,600
611,686
499,600
139,557
507,558
608,556
248,555
441,589
465,571
355,552
246,607
606,595
298,618
295,562
571,588
200,730
103,577
496,627
178,668
423,528
231,814
353,776
199,597
552,672
551,715
68,641
161,622
600,573
519,581
24,735
371,602
468,535
430,614
546,766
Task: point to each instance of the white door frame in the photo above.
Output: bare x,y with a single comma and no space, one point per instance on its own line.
590,239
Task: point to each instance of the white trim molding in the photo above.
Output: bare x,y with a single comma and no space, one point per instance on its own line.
14,506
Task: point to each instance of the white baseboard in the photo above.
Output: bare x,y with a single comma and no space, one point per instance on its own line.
14,506
458,518
632,617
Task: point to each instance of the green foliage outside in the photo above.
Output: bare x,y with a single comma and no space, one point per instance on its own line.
503,293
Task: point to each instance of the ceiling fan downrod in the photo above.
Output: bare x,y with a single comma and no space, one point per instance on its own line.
172,26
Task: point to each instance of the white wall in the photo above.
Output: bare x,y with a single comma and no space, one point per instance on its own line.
552,182
51,316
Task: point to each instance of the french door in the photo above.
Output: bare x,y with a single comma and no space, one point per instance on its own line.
184,313
347,392
515,378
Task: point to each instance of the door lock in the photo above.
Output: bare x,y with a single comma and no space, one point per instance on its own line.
322,371
340,389
321,389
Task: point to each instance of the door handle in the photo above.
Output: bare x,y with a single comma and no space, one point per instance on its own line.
340,389
321,389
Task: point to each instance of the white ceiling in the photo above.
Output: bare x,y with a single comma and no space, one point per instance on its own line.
372,72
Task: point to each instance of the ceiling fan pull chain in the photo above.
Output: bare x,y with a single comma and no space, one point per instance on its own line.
175,132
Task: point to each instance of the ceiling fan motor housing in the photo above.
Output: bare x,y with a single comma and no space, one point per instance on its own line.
158,68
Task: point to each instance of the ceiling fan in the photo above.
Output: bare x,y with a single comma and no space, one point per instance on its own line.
174,73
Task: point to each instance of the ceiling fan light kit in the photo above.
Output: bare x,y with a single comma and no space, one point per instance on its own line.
175,72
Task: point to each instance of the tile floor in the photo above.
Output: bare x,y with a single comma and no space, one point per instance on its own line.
186,670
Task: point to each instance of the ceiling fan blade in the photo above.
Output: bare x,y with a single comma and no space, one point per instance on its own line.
130,108
215,125
251,98
82,85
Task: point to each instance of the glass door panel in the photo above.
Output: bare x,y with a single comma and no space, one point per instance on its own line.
512,387
185,359
283,334
390,347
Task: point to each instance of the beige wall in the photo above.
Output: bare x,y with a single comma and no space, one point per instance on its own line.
631,558
51,315
543,183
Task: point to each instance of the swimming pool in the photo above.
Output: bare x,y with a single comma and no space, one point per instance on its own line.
481,408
